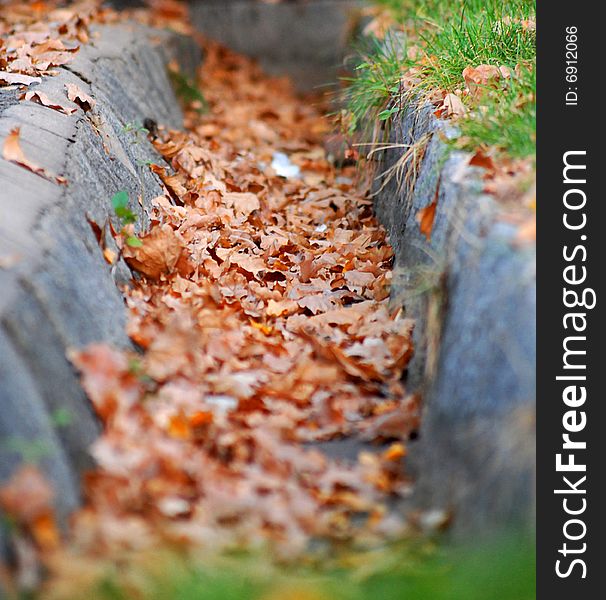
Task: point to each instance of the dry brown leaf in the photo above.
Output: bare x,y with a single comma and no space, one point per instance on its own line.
13,152
276,334
426,216
482,160
285,307
453,106
159,253
479,78
27,495
44,100
396,424
9,78
243,203
82,99
109,255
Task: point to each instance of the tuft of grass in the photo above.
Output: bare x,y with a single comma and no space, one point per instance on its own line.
447,36
187,92
506,119
488,32
374,84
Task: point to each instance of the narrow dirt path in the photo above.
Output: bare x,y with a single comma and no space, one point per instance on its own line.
261,308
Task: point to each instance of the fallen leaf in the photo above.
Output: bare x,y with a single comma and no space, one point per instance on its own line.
158,255
479,78
453,106
27,495
82,99
44,100
426,216
482,160
243,203
394,452
285,307
13,152
109,255
179,427
396,424
9,78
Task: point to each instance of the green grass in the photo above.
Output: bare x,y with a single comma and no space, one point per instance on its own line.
374,84
188,92
506,122
501,570
449,36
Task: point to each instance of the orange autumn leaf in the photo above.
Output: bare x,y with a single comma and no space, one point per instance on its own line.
106,378
82,99
109,255
426,216
27,495
394,452
172,182
13,152
425,219
44,530
201,418
265,329
482,160
44,100
158,255
179,427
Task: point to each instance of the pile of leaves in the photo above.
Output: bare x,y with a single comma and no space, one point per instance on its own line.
37,37
260,310
262,315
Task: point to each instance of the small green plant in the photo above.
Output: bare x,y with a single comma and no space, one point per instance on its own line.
126,216
62,417
120,205
134,127
187,91
30,451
